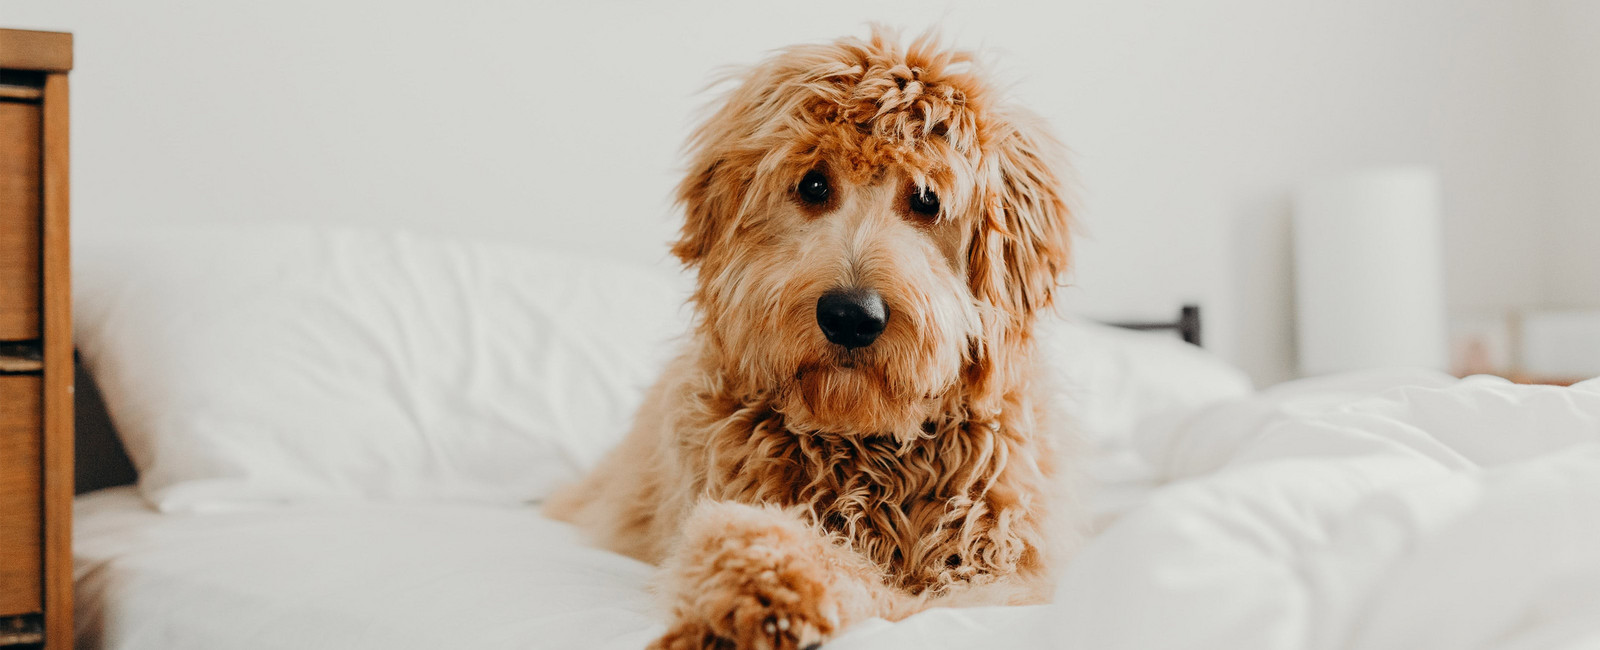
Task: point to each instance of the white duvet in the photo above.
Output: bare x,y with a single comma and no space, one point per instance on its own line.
1387,510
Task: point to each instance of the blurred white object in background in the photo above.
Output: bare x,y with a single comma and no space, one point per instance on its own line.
1561,343
1483,343
1368,284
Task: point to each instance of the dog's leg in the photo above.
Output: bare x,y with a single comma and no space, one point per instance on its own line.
758,577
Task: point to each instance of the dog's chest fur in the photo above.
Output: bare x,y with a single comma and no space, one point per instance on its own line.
939,510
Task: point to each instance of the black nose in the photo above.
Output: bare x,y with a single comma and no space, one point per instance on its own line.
852,317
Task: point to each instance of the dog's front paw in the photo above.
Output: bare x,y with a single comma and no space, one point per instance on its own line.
752,581
776,634
761,615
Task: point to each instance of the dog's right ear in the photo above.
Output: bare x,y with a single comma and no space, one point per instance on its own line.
704,207
724,154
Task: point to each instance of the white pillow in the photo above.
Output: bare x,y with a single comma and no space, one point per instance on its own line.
1110,379
271,364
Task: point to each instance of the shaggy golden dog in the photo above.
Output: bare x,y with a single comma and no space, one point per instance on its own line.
856,427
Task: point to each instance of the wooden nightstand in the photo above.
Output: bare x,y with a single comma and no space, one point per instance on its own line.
1519,377
35,343
1530,378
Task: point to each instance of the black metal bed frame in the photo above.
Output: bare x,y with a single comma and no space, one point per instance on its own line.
1187,325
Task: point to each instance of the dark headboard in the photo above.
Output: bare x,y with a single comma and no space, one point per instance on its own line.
102,462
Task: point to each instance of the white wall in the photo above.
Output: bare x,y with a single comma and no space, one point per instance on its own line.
1189,122
1573,238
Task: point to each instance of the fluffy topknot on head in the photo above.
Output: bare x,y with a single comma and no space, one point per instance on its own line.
908,98
866,104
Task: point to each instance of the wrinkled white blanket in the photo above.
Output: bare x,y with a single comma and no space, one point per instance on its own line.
1387,510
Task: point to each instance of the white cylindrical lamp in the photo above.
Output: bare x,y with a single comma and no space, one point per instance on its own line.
1369,288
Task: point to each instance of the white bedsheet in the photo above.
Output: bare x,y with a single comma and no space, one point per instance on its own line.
348,577
389,577
1393,510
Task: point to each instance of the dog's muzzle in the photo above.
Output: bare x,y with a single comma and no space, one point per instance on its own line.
852,318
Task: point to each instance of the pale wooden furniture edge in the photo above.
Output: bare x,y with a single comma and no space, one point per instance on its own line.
20,364
30,50
20,92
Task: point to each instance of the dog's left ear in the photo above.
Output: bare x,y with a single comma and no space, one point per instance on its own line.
1023,243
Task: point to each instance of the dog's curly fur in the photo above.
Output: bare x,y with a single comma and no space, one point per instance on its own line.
790,486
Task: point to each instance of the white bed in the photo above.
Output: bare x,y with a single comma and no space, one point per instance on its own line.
1398,509
384,576
357,576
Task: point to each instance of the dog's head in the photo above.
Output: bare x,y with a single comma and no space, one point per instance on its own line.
873,233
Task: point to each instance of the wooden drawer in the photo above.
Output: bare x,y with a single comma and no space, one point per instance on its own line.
21,486
35,343
20,220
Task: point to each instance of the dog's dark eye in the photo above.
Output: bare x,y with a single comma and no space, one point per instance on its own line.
813,188
925,203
